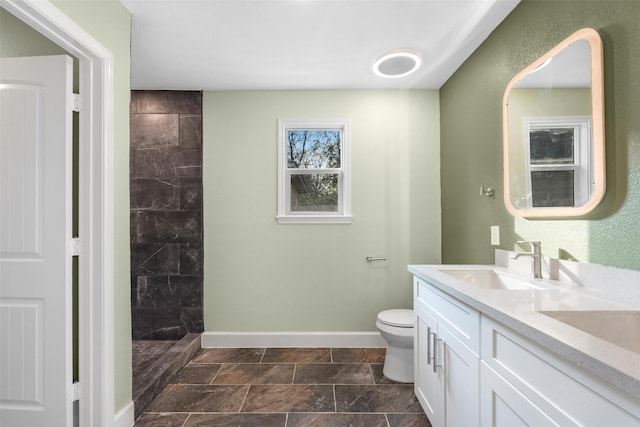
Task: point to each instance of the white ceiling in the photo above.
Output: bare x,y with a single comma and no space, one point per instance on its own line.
302,44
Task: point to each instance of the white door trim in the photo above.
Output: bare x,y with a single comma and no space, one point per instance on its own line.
96,306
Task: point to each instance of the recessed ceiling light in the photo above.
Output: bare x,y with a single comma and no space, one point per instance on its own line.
398,63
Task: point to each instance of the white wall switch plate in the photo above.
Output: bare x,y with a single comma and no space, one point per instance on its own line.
495,235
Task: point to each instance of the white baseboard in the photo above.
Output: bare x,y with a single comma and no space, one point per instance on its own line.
293,339
125,417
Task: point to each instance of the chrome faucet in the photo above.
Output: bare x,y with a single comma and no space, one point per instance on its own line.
535,254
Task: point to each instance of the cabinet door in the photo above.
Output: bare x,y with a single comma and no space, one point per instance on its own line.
562,391
426,380
460,382
501,405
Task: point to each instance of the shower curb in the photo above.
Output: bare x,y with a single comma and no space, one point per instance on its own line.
162,371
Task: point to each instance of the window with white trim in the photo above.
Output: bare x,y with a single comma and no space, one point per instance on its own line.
558,162
313,171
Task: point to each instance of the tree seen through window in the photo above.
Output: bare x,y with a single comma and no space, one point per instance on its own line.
316,151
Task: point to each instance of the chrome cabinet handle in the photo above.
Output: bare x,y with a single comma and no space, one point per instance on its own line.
435,353
431,354
428,345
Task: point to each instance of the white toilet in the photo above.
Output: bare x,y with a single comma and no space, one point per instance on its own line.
396,327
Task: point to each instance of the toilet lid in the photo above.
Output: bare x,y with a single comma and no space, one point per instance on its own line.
399,317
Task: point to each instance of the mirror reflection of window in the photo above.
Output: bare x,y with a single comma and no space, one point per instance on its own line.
552,189
558,164
551,146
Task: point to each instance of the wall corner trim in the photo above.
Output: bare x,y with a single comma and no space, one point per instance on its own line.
124,417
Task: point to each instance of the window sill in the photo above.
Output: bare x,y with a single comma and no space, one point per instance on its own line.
314,219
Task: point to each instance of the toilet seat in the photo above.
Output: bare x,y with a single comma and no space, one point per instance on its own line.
399,318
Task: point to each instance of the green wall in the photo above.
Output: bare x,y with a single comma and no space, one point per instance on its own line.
262,276
18,39
110,24
471,138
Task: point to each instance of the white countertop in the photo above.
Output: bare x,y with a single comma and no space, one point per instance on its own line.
519,310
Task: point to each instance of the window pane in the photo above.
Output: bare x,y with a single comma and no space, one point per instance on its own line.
552,146
313,149
552,189
314,193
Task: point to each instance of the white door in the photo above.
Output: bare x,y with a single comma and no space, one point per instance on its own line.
35,231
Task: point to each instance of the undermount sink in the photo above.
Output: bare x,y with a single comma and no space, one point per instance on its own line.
490,279
621,328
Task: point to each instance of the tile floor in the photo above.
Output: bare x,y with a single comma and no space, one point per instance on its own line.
285,387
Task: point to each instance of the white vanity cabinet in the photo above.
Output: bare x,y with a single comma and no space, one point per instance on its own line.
446,361
524,384
472,370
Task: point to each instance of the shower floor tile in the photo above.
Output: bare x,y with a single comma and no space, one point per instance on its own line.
285,387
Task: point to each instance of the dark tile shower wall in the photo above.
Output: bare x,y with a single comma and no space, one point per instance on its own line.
166,214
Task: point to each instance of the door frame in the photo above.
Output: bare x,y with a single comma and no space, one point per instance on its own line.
95,295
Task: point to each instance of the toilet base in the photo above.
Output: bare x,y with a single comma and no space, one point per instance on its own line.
398,364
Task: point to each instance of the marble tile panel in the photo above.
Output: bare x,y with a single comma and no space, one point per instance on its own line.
165,179
192,318
255,373
191,259
236,420
297,355
169,291
229,355
191,194
289,398
144,353
153,323
199,398
186,348
155,259
166,227
377,398
166,162
408,420
175,358
155,194
161,420
159,332
336,373
197,374
358,355
165,101
154,130
190,130
336,420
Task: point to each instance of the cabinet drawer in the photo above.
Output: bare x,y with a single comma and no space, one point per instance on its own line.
501,405
566,393
460,319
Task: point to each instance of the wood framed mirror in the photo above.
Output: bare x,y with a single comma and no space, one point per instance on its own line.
553,131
